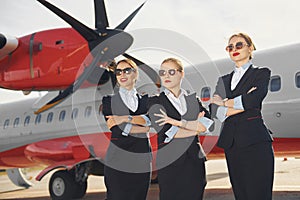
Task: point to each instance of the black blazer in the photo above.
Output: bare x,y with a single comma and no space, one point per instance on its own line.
113,105
194,106
246,128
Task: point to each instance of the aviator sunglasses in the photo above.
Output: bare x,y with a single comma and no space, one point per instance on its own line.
171,72
238,45
127,71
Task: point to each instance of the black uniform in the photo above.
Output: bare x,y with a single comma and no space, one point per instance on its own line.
128,159
181,162
245,139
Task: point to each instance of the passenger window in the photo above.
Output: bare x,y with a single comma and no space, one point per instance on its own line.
275,84
205,94
62,115
16,122
26,121
74,113
88,111
297,79
50,117
6,123
38,119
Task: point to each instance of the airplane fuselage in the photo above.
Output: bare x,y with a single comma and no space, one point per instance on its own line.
56,135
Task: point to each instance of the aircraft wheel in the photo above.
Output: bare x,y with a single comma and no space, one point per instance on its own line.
62,185
80,190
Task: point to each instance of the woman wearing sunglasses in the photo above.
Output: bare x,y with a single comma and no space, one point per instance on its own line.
237,102
127,164
178,117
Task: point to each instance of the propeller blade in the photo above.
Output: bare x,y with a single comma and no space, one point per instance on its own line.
147,69
106,51
72,88
101,21
124,24
82,29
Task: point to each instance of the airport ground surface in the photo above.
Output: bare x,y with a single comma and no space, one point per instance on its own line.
286,184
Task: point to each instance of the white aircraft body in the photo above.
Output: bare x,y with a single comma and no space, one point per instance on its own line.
73,136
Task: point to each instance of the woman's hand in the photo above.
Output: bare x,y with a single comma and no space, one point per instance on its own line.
114,120
166,120
201,114
217,100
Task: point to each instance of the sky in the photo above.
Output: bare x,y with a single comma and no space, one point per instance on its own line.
208,23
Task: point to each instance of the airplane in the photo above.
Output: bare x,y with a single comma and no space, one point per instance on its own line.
68,55
71,138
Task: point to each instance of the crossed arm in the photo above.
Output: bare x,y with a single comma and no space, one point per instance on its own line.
229,103
138,123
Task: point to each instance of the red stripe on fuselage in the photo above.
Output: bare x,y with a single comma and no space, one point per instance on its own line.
49,152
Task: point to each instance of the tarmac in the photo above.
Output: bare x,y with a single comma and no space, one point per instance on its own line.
286,184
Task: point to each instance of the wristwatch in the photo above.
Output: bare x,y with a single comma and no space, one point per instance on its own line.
130,118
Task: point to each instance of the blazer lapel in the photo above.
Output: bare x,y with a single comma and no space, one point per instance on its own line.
247,74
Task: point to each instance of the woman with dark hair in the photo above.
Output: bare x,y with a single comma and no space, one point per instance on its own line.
237,102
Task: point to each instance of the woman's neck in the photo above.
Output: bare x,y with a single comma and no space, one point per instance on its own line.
129,87
175,91
239,64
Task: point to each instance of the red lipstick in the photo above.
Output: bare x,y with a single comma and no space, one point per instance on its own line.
236,54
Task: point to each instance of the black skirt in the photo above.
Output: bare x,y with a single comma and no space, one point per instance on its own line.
183,179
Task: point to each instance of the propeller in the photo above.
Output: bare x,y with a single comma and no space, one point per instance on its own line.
105,44
110,48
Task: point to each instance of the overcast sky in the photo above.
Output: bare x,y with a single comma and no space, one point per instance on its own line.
209,23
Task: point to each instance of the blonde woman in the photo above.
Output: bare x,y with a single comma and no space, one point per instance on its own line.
244,137
127,167
178,117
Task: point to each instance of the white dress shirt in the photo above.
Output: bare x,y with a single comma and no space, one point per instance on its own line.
180,104
238,104
130,98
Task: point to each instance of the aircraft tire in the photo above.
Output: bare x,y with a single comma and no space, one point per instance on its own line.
80,190
62,185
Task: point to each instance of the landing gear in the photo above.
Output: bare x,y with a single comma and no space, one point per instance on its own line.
63,186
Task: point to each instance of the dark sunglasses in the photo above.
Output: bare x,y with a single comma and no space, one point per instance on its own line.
238,45
127,70
171,72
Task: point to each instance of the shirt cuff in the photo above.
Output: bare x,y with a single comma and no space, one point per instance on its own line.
148,122
238,104
206,122
171,133
221,113
127,129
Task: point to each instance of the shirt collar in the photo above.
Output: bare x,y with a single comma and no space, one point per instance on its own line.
182,92
243,67
131,92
